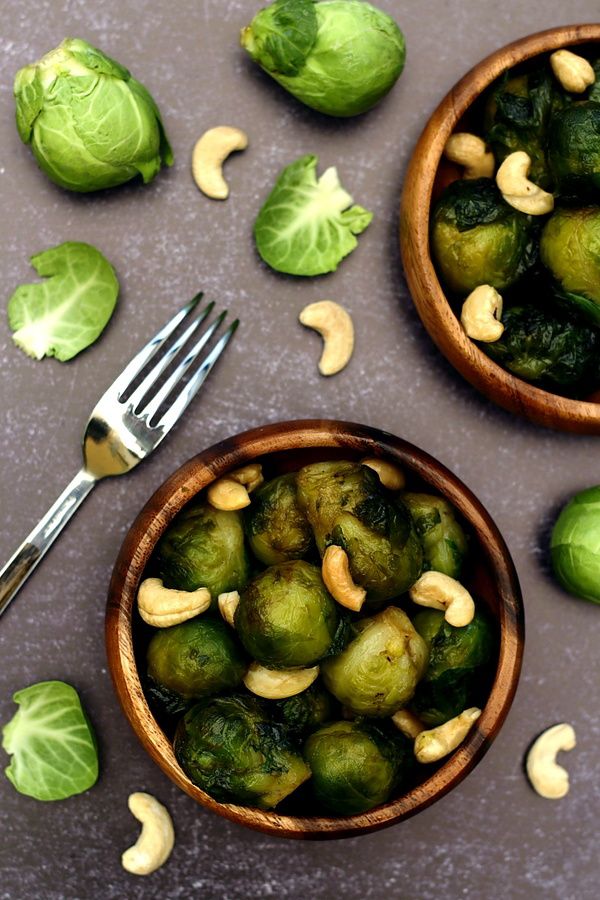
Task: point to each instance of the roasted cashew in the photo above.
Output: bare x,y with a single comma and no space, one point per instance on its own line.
275,684
153,847
208,156
547,778
518,190
338,579
438,742
233,490
481,314
228,603
409,724
335,326
250,476
390,475
574,72
162,607
470,151
438,591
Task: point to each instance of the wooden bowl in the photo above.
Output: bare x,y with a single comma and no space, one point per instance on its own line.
424,176
285,447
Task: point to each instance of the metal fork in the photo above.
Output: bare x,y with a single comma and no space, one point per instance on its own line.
124,427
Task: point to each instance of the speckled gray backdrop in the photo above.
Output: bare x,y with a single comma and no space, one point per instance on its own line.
492,836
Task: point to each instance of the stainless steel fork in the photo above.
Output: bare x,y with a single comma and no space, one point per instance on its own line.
124,427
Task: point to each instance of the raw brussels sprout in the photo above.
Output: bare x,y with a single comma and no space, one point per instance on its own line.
346,505
230,748
198,658
277,528
305,712
458,657
477,238
378,671
356,765
574,150
286,617
339,57
574,545
90,124
570,249
443,539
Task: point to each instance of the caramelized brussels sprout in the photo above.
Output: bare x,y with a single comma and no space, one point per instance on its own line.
277,529
574,150
570,249
305,712
443,539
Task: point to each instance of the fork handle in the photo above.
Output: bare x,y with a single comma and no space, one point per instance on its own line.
27,556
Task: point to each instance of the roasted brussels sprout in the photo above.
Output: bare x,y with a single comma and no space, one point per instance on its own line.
346,505
443,539
574,545
574,150
356,765
570,249
197,658
277,528
305,712
231,749
377,673
286,617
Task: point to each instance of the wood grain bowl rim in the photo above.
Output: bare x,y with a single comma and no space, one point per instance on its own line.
192,477
441,323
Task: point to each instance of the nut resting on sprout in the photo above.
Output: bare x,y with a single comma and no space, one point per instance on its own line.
338,579
228,603
335,326
208,156
153,847
162,607
574,72
390,475
481,314
547,778
233,490
518,190
438,591
470,151
276,684
438,742
406,722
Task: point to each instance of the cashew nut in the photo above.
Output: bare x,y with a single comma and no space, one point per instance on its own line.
438,742
153,847
162,607
481,314
547,778
233,490
390,475
470,151
516,188
275,684
228,603
409,724
335,326
338,580
574,72
208,156
438,591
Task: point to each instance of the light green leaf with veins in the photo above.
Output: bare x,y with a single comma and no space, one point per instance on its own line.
62,316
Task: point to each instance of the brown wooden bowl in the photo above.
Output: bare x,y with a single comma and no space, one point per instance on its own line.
424,176
284,447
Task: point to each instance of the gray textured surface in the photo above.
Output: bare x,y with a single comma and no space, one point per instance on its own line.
493,834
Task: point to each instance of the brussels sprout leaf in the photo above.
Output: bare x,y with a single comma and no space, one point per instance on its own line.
282,35
62,316
51,742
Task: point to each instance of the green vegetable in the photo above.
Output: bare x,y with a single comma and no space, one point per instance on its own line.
51,741
62,316
339,57
570,249
574,150
305,712
444,541
306,227
277,528
575,545
90,124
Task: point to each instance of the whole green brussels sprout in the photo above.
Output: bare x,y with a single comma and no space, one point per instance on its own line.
277,528
305,712
339,57
443,539
477,238
286,617
90,124
230,748
574,545
356,765
574,150
197,658
346,506
377,673
570,249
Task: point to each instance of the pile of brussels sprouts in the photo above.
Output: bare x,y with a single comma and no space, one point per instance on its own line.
327,737
546,267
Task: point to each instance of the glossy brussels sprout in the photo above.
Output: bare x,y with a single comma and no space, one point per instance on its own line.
477,238
339,57
570,249
198,658
230,748
286,617
574,150
356,765
443,539
89,123
204,547
277,528
458,662
305,712
346,505
574,545
377,673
